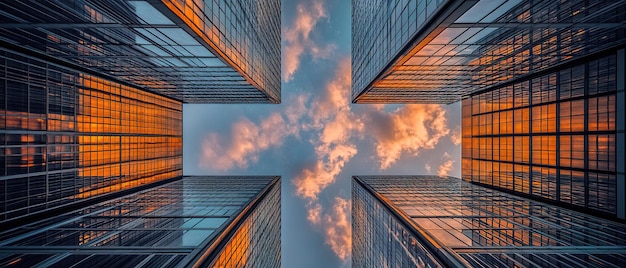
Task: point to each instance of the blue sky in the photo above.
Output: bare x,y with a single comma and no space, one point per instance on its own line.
316,139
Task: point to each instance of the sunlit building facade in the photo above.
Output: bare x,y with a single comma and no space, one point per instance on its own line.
91,92
194,221
557,141
193,51
68,136
91,100
541,84
421,51
432,221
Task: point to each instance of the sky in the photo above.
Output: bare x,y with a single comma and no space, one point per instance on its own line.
316,139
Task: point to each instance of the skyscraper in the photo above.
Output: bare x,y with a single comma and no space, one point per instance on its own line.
91,96
194,51
432,221
442,51
92,91
202,221
542,85
67,136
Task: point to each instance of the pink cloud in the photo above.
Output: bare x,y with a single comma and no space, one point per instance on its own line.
298,40
410,129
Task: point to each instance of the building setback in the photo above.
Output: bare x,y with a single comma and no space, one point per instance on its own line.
432,221
214,221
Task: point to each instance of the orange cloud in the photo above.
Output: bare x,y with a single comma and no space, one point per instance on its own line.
298,41
338,228
312,181
314,213
248,139
336,125
410,129
447,166
455,136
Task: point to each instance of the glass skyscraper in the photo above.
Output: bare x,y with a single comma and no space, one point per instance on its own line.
91,97
193,51
432,221
541,84
195,221
68,136
542,90
440,51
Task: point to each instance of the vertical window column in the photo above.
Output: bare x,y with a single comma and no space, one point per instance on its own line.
620,124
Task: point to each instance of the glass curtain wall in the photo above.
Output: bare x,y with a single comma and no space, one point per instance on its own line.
66,136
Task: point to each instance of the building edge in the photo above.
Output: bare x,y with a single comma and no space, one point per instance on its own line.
213,247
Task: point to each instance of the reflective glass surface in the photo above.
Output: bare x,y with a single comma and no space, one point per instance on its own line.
422,51
548,139
482,227
165,226
191,50
257,241
66,136
380,239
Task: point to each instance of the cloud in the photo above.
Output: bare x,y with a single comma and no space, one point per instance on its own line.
409,129
314,213
455,136
447,166
247,141
338,229
297,38
335,125
427,167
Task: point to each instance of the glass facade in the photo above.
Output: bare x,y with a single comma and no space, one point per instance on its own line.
66,136
256,243
91,97
463,224
437,51
553,136
194,51
542,84
380,29
171,225
380,239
